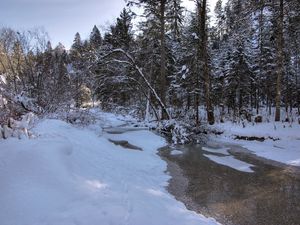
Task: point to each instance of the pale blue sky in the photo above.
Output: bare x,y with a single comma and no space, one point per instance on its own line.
62,18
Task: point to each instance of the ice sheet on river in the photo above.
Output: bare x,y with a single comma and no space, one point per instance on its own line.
232,162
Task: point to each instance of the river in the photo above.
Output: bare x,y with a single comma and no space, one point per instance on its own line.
267,194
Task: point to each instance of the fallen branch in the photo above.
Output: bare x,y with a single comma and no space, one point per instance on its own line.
253,138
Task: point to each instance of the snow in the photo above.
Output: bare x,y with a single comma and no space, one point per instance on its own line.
184,70
276,130
216,150
195,36
176,152
231,162
74,175
227,160
110,120
3,79
285,150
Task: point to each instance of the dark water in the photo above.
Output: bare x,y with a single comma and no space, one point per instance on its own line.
269,196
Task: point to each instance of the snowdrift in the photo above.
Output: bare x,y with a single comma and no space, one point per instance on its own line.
70,175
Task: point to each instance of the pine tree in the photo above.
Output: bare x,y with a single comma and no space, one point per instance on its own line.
116,75
174,17
121,35
220,20
157,11
95,39
77,70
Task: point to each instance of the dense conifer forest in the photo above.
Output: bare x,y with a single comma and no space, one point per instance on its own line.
175,64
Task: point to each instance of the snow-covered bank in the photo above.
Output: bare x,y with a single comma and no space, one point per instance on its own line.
281,140
70,175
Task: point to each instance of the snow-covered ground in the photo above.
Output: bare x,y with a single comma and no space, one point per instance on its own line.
282,140
71,175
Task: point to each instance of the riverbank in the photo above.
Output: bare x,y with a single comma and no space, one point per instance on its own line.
277,141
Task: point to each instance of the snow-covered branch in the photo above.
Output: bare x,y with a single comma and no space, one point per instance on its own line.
133,64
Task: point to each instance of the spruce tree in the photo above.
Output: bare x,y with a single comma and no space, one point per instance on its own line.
95,39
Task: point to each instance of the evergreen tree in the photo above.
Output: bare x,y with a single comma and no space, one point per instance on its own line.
95,39
77,68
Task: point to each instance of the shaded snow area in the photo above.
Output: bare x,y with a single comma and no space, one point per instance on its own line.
282,140
69,175
227,160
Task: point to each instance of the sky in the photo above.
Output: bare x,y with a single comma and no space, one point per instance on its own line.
63,18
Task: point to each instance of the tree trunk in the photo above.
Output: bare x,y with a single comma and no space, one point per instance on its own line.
197,103
162,82
280,60
206,69
147,113
261,45
188,104
297,85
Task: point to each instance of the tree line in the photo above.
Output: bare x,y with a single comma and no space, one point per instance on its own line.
174,64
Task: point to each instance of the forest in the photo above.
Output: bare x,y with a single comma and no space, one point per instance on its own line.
171,64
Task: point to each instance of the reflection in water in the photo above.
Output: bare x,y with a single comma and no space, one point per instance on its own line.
269,196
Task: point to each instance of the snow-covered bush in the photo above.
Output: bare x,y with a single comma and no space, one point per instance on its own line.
18,128
84,95
178,131
179,134
3,102
27,103
133,110
74,116
80,117
14,106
